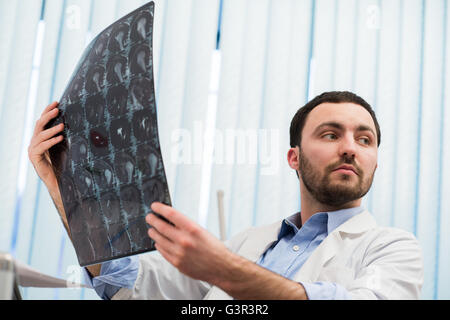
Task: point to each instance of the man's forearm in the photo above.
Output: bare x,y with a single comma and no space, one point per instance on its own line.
244,279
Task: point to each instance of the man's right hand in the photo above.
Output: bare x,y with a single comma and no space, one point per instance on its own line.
41,142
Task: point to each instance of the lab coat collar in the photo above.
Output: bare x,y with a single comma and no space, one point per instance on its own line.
357,224
339,217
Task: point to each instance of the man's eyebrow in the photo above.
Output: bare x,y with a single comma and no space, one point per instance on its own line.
339,126
365,128
329,124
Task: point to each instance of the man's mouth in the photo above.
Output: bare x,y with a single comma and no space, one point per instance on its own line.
346,169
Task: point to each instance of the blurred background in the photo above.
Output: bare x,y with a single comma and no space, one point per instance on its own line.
229,76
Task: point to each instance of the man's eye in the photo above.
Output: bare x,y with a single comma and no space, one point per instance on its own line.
364,140
330,136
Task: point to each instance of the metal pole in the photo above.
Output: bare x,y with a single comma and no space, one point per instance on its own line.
222,229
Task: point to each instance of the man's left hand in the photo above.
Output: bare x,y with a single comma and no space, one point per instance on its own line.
186,245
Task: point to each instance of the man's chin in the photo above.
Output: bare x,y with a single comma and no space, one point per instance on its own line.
346,183
339,176
346,189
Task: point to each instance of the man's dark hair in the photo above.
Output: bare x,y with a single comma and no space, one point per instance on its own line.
298,122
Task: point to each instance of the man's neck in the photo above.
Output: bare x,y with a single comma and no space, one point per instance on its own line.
310,206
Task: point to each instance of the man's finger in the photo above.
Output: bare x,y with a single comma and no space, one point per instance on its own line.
162,226
42,122
171,214
49,133
161,239
49,107
44,146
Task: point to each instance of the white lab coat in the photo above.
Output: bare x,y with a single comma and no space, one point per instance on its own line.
371,262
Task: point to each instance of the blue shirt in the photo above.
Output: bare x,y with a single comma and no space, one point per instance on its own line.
286,256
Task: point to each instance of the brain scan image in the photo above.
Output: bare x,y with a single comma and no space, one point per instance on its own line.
137,229
95,109
98,48
128,195
116,70
103,174
100,241
120,240
118,39
117,100
140,93
148,161
78,150
142,125
109,165
153,191
110,203
74,115
84,182
120,132
91,212
95,79
76,88
140,59
99,141
125,167
141,26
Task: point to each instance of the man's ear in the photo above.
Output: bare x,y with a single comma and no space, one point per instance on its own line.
293,158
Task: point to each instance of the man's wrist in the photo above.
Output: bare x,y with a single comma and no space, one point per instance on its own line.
243,279
232,272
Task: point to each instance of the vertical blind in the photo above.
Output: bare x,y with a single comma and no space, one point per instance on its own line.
229,76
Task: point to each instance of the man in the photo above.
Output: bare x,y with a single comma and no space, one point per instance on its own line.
332,249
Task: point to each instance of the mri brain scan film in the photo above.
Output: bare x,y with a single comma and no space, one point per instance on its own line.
109,166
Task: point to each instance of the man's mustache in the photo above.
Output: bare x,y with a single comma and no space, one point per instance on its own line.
345,161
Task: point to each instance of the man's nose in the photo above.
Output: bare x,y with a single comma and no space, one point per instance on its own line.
347,147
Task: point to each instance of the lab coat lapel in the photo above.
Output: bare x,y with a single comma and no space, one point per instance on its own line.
330,246
259,240
323,253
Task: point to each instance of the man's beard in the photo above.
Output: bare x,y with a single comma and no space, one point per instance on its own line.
333,194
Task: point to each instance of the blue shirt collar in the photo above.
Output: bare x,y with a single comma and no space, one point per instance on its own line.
332,219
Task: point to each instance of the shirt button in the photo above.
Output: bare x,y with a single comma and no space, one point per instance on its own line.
296,248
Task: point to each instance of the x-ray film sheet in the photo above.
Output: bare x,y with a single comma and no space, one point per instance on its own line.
109,166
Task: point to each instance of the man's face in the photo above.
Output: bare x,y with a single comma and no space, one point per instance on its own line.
338,155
